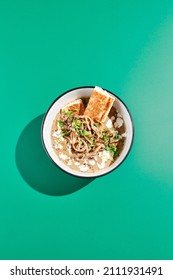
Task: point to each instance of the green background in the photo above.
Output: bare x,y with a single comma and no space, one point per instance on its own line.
46,48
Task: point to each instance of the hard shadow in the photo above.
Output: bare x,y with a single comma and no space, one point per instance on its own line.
37,169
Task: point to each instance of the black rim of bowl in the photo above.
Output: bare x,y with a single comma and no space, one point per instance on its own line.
43,143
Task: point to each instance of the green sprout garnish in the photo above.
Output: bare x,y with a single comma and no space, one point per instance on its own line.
78,123
97,124
105,137
113,151
69,113
85,133
116,135
60,123
65,132
74,119
93,141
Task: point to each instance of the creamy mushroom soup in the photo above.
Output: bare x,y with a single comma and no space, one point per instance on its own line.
85,144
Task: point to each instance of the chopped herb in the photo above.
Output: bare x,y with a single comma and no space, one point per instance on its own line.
79,131
111,146
116,135
113,151
117,153
106,147
97,124
65,132
85,133
78,123
60,123
93,141
80,142
74,119
82,132
105,138
69,113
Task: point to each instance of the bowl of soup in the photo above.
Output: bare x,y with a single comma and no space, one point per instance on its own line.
87,131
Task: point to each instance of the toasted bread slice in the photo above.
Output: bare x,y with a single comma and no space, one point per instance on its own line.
75,107
99,105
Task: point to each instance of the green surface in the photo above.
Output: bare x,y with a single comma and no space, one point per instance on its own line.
48,47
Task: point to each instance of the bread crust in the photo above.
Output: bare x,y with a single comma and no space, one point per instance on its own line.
99,105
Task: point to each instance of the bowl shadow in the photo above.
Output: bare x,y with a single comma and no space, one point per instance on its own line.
37,169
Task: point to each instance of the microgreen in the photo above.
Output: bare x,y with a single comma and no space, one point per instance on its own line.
74,119
85,133
113,151
93,141
97,124
60,123
69,113
78,123
65,132
105,137
116,135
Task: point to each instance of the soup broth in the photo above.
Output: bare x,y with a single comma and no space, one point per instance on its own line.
100,152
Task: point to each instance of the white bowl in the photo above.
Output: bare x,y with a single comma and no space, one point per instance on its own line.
61,101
